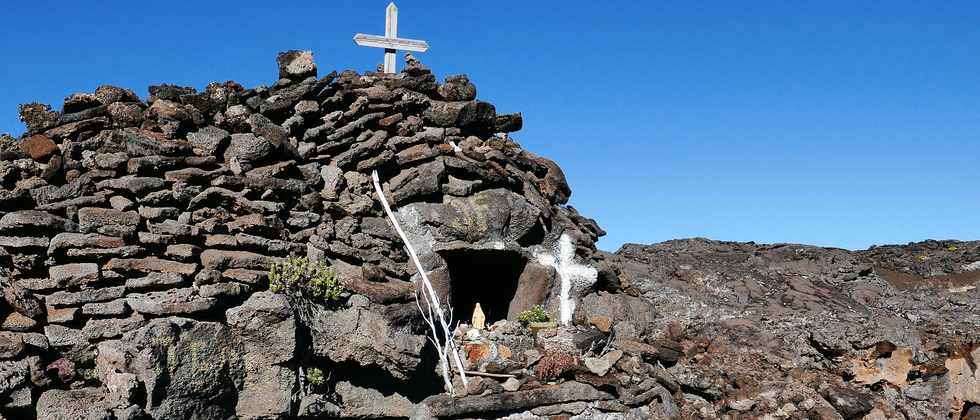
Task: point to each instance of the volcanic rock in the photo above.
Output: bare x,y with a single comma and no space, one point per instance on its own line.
296,65
38,147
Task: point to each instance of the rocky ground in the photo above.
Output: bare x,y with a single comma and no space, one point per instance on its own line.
796,331
136,238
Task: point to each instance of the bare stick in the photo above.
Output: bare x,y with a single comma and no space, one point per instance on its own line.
431,300
489,375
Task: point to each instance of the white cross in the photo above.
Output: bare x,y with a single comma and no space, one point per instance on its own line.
391,42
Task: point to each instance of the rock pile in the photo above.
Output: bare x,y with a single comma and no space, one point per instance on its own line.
135,239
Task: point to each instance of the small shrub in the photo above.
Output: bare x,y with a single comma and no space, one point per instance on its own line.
554,363
535,314
952,248
315,280
314,376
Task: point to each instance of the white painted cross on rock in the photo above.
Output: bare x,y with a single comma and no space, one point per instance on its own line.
391,42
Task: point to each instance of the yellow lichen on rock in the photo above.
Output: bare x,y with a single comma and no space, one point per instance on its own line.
894,369
963,382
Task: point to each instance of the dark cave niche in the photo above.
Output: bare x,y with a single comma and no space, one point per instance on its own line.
485,276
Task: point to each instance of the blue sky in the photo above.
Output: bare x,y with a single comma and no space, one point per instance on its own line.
830,123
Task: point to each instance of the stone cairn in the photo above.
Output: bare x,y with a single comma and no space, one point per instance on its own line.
135,240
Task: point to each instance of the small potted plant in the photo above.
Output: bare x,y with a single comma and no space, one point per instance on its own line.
537,318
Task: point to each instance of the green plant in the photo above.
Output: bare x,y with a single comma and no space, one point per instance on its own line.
314,376
535,314
312,279
952,248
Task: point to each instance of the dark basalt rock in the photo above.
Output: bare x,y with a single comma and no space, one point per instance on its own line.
442,406
37,117
38,147
168,92
245,151
108,94
296,65
146,143
473,115
851,404
509,123
79,102
10,149
457,88
20,299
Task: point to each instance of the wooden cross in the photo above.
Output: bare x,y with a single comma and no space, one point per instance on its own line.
391,42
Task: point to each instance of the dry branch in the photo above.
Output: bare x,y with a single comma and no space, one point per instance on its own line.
445,346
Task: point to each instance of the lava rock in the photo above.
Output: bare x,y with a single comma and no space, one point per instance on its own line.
10,149
135,185
20,299
209,140
77,102
268,130
37,117
146,143
296,65
151,265
457,88
62,242
849,403
125,114
266,327
214,259
34,221
11,345
473,115
39,147
80,298
245,151
171,302
188,368
82,403
108,94
361,334
76,274
108,221
468,406
168,92
508,123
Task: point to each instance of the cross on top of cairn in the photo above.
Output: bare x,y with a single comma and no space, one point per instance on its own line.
391,42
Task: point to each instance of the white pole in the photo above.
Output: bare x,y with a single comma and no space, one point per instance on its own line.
391,32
